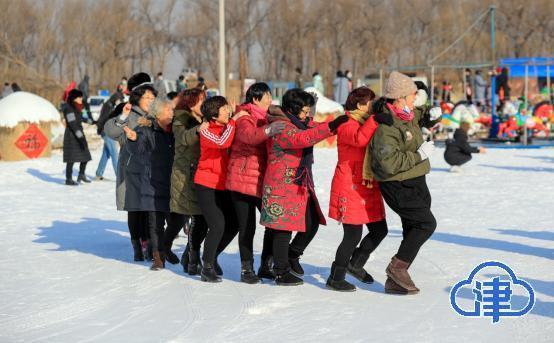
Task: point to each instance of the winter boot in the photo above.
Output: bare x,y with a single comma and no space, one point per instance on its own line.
288,279
392,287
208,273
397,270
137,248
195,265
296,267
356,266
336,280
185,259
70,182
266,269
171,257
217,268
158,261
147,250
83,178
247,274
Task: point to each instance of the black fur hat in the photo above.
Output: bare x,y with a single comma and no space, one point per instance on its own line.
73,94
139,79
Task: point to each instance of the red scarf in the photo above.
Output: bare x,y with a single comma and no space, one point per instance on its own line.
78,107
255,111
401,114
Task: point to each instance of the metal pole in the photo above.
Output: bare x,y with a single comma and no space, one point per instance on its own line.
381,72
432,85
493,47
222,73
525,104
464,83
548,83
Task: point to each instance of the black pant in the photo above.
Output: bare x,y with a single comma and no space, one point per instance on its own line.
352,235
175,223
156,227
411,200
137,221
282,250
69,170
198,229
218,211
457,159
245,209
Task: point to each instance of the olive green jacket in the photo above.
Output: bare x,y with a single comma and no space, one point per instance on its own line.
187,152
394,149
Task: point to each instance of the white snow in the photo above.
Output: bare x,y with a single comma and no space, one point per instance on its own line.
67,273
325,105
23,106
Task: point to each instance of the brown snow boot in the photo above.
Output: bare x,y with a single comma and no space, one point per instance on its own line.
158,261
397,270
392,287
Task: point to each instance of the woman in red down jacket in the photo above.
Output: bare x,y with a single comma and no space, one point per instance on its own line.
289,202
245,173
355,197
209,179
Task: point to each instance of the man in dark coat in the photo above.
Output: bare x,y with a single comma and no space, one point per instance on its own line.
84,88
109,150
75,147
458,151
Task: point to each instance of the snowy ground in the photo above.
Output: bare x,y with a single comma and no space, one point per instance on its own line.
67,273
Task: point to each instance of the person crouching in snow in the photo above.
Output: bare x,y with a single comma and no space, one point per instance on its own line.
151,148
458,151
355,196
209,179
400,160
289,202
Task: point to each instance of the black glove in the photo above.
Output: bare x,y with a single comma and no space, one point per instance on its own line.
383,118
338,121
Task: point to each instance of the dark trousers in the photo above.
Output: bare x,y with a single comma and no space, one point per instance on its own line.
218,211
282,250
411,200
245,209
198,228
456,159
175,223
69,170
156,228
137,221
352,236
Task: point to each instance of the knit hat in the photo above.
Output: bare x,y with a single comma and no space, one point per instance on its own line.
138,80
399,85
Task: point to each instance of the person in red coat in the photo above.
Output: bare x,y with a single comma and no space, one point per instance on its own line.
245,175
289,202
355,196
209,178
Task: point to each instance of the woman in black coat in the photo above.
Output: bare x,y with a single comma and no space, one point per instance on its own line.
75,147
148,172
458,151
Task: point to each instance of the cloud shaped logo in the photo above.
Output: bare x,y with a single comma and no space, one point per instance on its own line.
492,297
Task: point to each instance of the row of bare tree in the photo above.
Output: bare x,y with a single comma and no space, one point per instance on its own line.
45,44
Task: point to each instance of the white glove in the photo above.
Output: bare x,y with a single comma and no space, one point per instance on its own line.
435,113
426,149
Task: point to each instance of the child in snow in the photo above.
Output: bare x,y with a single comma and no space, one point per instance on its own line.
458,151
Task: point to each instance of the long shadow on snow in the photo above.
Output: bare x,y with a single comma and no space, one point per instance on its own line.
489,243
542,235
50,178
524,169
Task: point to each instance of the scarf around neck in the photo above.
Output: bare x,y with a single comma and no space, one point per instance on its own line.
401,114
305,166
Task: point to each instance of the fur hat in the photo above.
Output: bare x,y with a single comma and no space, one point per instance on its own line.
137,80
73,94
399,85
